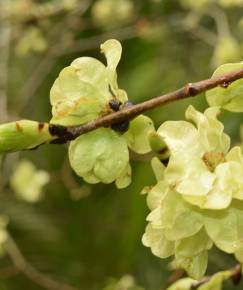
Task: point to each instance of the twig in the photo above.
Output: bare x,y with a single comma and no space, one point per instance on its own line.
5,31
235,276
174,277
8,272
44,67
221,21
81,45
29,271
190,90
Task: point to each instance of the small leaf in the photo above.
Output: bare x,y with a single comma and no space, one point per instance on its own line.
99,156
137,135
124,179
194,245
230,97
80,93
158,168
225,227
112,50
182,284
216,281
158,145
156,239
195,266
83,90
180,220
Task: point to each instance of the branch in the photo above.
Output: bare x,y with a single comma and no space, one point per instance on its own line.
235,276
5,35
29,271
65,134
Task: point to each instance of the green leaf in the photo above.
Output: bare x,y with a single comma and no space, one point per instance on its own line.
137,135
230,98
158,145
179,219
210,129
193,245
225,227
99,156
228,184
112,50
182,284
195,266
180,136
198,167
80,93
239,255
186,169
124,179
216,281
158,168
156,239
156,194
83,90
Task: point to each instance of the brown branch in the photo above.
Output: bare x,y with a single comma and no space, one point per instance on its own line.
8,272
29,271
176,275
65,134
235,276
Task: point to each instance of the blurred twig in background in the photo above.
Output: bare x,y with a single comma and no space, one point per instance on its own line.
5,31
29,271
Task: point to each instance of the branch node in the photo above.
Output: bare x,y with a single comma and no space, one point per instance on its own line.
225,84
62,133
191,90
237,275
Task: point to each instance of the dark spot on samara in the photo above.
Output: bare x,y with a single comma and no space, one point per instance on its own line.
41,126
18,126
163,150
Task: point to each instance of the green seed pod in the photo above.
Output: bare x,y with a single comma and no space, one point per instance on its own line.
23,134
158,145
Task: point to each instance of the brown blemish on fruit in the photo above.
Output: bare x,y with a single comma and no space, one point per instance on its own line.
212,159
18,126
41,126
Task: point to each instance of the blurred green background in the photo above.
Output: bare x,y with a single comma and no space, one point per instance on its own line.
80,234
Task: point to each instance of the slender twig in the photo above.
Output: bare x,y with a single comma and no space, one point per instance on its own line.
41,70
5,31
8,272
190,90
235,276
81,45
174,277
221,21
29,271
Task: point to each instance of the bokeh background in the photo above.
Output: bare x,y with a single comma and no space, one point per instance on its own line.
90,236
